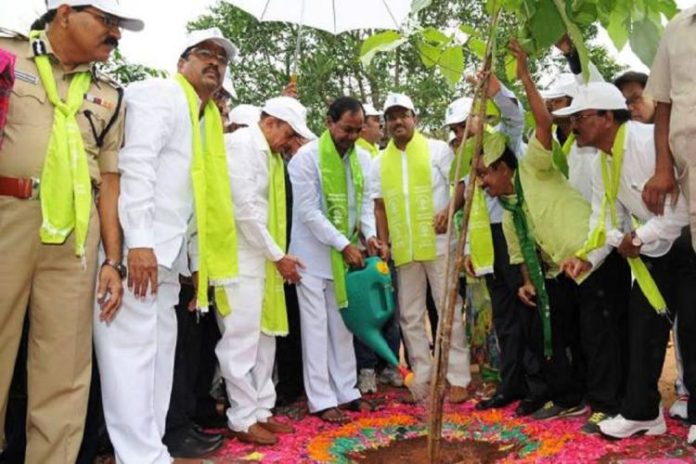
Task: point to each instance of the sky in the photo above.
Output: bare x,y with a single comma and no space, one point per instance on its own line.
159,44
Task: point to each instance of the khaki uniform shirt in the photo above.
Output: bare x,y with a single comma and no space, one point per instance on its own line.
673,80
30,116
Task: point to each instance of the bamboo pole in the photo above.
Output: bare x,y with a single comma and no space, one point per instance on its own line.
444,330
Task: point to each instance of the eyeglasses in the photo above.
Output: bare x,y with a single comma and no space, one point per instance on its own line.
107,20
205,54
574,118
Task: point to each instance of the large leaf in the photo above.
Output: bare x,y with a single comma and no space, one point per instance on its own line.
644,40
618,27
666,7
510,68
381,42
477,47
546,25
435,36
451,64
576,36
429,54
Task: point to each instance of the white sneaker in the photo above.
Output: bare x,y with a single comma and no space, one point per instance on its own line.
678,410
390,376
692,435
620,427
367,381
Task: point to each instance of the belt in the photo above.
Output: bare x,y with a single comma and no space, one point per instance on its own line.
18,187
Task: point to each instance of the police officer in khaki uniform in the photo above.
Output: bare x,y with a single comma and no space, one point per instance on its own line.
56,278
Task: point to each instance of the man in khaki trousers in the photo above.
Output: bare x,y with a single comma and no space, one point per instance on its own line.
54,274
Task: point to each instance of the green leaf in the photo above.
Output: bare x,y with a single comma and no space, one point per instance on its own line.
469,30
644,40
477,47
429,54
381,42
576,36
451,64
618,27
510,68
666,7
418,5
546,25
435,36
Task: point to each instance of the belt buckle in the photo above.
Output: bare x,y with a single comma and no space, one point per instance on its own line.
35,183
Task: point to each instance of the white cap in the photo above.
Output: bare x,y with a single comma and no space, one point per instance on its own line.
289,110
213,34
458,111
564,85
370,110
595,96
398,99
111,7
244,115
228,87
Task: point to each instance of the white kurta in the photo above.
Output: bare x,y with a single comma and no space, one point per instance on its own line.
246,354
414,277
136,350
329,365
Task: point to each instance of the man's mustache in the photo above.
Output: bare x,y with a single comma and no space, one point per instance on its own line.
212,68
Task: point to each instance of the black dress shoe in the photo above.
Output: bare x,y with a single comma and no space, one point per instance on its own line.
528,406
198,431
185,444
494,402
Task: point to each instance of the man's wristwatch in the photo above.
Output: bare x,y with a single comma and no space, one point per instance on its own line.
120,268
635,240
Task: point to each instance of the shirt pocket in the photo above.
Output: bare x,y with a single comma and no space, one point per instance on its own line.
92,124
28,105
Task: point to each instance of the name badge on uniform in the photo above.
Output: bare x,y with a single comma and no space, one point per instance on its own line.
99,101
26,77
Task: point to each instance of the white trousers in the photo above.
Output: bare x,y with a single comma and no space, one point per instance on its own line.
412,283
136,366
328,357
246,356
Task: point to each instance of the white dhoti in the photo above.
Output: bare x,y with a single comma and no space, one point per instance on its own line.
136,366
328,357
246,355
412,285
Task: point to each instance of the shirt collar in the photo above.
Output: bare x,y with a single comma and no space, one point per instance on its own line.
259,139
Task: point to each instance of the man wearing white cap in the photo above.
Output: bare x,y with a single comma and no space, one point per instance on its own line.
63,132
372,131
331,208
658,250
410,186
256,313
172,165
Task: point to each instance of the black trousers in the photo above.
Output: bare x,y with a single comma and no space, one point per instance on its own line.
675,276
288,357
194,361
588,336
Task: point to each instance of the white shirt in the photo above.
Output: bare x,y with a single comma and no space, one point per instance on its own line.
156,200
248,159
656,232
313,235
441,157
580,161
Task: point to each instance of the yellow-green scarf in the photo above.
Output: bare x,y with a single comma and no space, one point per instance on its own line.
217,235
335,197
371,148
412,237
598,236
66,189
481,238
274,317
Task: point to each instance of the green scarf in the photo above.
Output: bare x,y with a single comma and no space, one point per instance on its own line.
217,235
274,318
66,188
598,236
560,153
531,259
412,237
371,148
481,238
335,197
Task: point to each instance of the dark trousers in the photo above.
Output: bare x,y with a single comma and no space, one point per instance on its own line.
675,276
194,361
587,336
288,356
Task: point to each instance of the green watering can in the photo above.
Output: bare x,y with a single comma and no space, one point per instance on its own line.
370,306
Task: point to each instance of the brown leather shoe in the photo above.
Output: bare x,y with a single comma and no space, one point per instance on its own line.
275,426
457,394
256,434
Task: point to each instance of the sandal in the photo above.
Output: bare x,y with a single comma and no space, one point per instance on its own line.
361,405
333,416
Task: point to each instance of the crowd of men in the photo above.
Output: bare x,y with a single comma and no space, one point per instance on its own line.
179,240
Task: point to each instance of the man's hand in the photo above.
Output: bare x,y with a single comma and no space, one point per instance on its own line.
440,222
288,267
627,249
109,293
493,83
290,90
377,247
142,271
527,293
656,190
574,267
521,58
469,266
565,45
352,256
193,304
